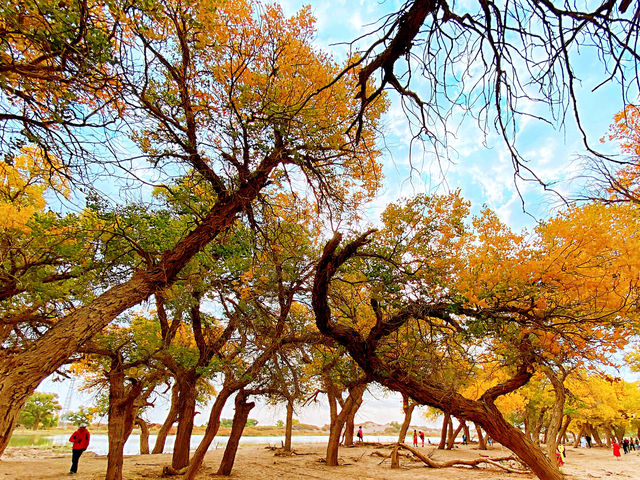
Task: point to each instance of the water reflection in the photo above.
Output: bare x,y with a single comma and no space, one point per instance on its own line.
100,443
31,441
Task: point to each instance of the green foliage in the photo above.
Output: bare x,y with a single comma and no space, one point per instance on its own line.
84,416
228,422
40,409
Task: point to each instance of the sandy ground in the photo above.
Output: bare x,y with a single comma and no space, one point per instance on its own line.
260,463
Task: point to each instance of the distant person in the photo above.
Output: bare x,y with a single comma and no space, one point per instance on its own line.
422,438
464,439
625,445
561,455
415,438
80,439
583,442
588,438
616,449
360,435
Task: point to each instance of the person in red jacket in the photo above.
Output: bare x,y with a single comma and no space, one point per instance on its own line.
80,439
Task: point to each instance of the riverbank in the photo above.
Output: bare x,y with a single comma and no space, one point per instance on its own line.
360,462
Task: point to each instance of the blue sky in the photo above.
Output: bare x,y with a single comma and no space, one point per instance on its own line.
483,172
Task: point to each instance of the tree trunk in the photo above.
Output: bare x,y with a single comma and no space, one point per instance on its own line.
144,436
443,432
596,436
239,421
563,430
288,432
121,418
186,413
453,434
350,423
336,426
172,416
210,432
581,433
465,427
618,433
557,409
21,373
407,408
349,429
482,444
115,457
538,427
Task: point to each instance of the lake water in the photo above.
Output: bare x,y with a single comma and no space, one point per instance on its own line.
99,443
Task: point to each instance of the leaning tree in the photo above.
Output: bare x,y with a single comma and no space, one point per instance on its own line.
491,292
232,97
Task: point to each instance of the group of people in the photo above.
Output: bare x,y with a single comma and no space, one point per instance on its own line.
417,434
628,445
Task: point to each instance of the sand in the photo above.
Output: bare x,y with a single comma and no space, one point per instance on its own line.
260,463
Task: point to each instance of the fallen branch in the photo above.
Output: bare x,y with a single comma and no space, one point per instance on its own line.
470,463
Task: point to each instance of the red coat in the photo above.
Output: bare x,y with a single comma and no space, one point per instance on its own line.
616,449
80,439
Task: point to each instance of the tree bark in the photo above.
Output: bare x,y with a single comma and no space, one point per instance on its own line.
22,372
596,436
122,413
557,410
443,432
338,424
239,421
563,430
350,423
210,432
451,440
288,432
482,444
144,436
172,416
538,427
407,407
465,427
186,413
581,433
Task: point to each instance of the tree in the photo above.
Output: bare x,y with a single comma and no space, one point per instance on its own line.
201,123
84,416
496,291
40,408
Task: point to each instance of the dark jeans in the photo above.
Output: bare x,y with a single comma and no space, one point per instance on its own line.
75,456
